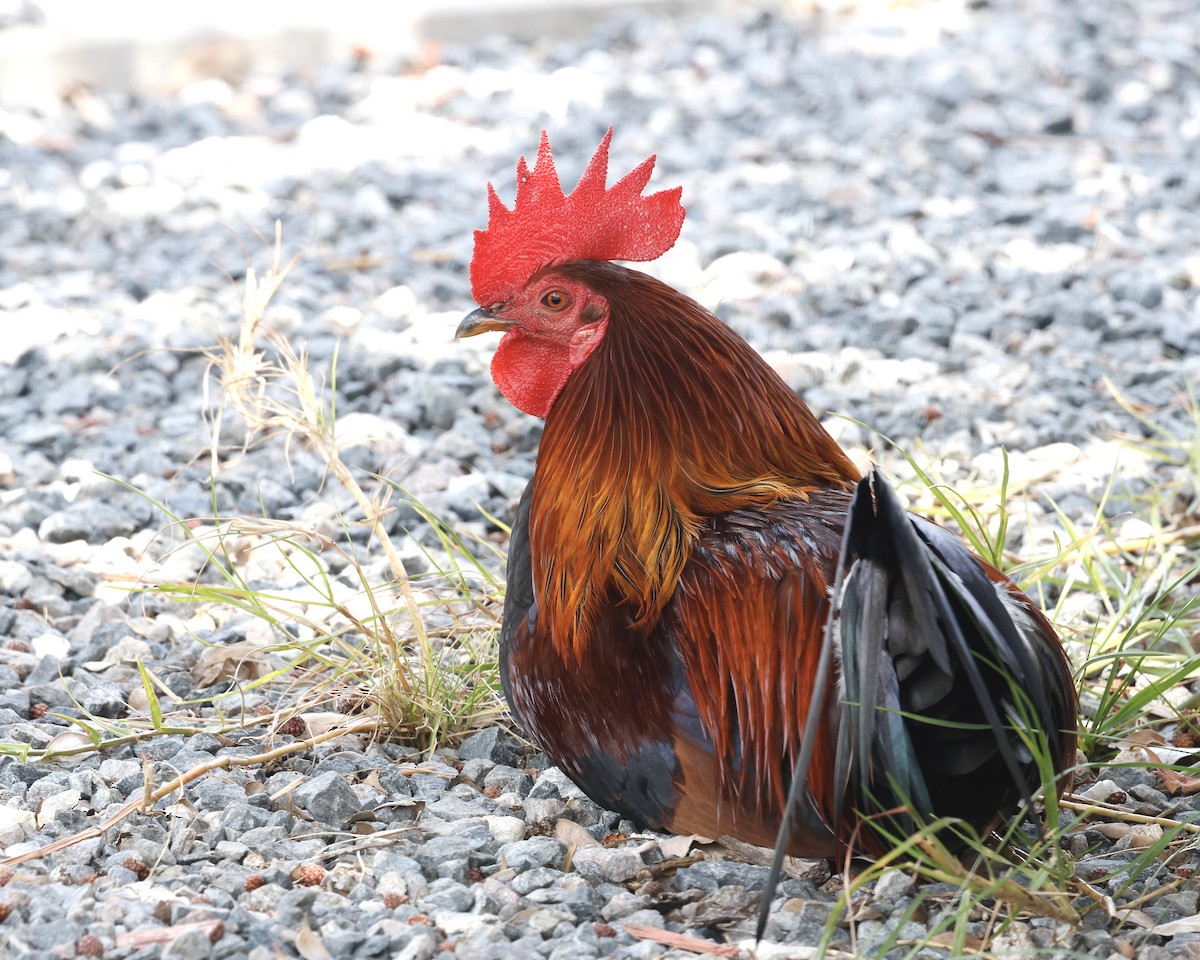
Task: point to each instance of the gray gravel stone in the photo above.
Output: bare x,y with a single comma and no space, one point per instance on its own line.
15,578
329,798
534,852
295,906
193,944
608,865
45,937
474,770
438,851
491,744
553,783
447,894
709,875
893,884
17,702
238,818
103,699
507,779
535,879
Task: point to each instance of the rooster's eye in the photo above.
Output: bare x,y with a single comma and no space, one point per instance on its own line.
556,300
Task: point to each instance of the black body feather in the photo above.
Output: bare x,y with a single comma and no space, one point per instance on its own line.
941,680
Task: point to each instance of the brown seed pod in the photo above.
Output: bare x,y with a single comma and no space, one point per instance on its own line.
137,867
308,875
293,727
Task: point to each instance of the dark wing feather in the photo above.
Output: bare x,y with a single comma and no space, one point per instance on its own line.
938,612
983,679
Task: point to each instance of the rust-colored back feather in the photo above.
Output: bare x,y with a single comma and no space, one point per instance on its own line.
748,617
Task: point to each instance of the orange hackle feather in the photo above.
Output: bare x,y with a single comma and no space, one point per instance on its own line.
637,452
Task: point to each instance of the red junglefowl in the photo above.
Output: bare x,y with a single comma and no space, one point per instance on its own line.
706,603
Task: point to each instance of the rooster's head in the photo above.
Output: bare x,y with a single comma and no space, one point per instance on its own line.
551,321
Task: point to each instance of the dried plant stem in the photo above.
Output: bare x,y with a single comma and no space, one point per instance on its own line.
1116,813
943,866
1164,539
399,574
213,929
244,375
680,941
150,797
1154,894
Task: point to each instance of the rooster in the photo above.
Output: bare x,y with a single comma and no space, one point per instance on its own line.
714,625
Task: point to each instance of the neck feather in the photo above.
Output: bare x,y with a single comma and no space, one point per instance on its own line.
673,419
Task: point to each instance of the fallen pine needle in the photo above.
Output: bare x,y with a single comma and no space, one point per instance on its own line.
681,941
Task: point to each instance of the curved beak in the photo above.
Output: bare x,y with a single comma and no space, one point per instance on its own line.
482,320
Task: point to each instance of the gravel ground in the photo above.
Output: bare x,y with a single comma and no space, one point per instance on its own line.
955,225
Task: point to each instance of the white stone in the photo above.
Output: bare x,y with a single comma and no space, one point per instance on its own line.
15,826
506,829
51,645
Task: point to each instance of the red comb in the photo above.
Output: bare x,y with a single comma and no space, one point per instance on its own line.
590,223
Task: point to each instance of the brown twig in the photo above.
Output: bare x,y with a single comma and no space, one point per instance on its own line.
214,929
1110,812
148,799
681,941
